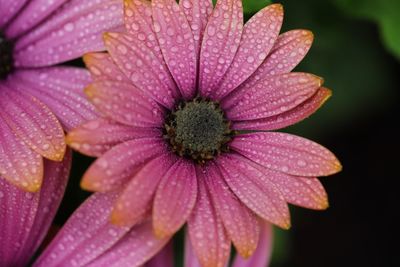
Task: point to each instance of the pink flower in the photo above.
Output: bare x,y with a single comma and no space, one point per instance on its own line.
189,96
39,100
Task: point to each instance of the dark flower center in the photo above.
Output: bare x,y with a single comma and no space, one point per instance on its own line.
198,130
6,58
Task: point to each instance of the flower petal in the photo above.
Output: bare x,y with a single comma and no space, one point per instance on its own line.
26,217
207,234
289,117
55,179
69,33
289,49
8,9
252,187
287,153
142,65
85,236
190,258
137,197
177,44
175,198
102,67
137,247
240,223
33,122
96,137
262,255
197,13
259,35
164,258
18,164
271,96
30,16
220,44
125,103
61,89
117,165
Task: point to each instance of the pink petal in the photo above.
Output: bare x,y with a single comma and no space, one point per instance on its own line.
289,117
220,44
119,164
98,136
8,9
137,247
125,104
240,223
259,35
30,16
26,217
33,122
73,30
164,258
190,259
197,13
177,44
262,255
102,67
18,164
52,191
207,234
86,235
289,49
143,66
254,189
175,198
287,153
271,96
137,197
301,191
61,89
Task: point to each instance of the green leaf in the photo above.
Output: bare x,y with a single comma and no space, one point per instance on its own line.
386,13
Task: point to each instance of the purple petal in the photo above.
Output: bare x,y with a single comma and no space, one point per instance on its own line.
263,198
174,199
137,247
96,137
287,153
75,29
102,67
136,199
271,96
33,122
190,259
177,44
289,49
18,164
240,223
26,217
125,104
86,235
54,182
220,44
8,9
164,258
33,13
207,234
289,117
262,255
143,65
116,166
197,13
259,35
61,89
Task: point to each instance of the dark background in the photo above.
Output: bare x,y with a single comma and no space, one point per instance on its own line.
358,124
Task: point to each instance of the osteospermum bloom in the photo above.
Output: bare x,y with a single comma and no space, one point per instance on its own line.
189,97
39,100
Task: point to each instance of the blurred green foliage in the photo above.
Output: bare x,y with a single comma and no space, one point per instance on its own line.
384,12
